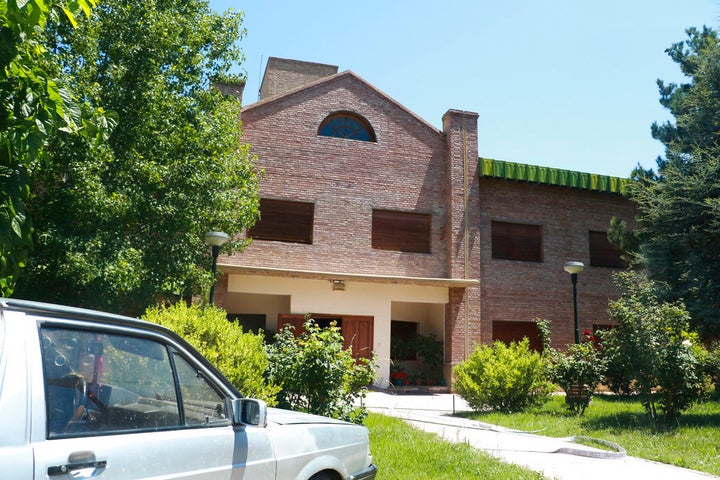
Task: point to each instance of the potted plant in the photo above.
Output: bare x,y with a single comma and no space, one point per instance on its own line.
430,350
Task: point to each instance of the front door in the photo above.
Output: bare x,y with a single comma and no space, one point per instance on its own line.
357,330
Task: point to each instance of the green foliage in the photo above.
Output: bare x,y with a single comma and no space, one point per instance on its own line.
710,361
33,102
679,206
695,104
316,374
651,345
239,355
427,348
578,371
121,225
506,378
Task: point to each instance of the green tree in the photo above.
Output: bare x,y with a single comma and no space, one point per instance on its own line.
695,104
123,223
651,345
679,206
33,102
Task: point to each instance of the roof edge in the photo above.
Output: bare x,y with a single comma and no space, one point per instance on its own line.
321,81
552,176
357,277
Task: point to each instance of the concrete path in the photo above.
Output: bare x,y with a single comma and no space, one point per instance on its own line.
555,458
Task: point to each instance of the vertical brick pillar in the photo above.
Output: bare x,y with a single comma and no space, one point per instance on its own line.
221,290
462,319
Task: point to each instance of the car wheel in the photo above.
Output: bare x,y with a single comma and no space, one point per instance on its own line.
324,476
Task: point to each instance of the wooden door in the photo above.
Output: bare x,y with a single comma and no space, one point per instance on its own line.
357,330
296,321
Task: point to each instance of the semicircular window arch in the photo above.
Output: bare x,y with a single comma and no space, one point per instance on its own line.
347,125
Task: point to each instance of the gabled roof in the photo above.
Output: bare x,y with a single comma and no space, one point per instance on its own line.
552,176
334,78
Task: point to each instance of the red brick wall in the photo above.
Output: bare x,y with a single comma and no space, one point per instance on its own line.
522,291
346,179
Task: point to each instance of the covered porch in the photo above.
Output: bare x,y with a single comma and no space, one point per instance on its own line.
370,309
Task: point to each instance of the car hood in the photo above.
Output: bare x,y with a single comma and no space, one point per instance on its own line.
289,417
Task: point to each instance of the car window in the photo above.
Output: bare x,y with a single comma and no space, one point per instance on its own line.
202,404
97,382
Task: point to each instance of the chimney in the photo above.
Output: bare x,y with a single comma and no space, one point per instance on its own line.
232,89
283,75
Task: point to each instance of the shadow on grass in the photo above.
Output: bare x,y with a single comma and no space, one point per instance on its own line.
642,421
616,413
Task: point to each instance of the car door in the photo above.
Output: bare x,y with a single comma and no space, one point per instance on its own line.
123,405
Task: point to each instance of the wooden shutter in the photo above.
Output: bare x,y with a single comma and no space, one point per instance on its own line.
508,332
603,253
516,241
401,231
284,221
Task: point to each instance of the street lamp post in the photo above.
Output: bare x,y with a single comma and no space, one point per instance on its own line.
573,268
215,240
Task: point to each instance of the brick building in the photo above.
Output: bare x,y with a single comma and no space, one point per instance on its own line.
376,219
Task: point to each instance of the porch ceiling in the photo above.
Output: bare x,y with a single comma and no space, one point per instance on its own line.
317,275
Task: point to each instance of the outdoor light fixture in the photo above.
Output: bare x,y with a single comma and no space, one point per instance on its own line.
215,240
338,284
573,268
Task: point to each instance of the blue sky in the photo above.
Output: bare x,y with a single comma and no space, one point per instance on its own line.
566,84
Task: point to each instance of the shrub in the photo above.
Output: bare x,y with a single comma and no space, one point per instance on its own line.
710,360
505,378
578,371
238,355
317,375
651,345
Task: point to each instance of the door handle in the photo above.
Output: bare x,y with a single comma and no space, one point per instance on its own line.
78,470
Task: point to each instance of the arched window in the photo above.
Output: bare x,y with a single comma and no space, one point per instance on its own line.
347,125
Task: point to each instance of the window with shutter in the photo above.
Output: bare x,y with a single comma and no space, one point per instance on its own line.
284,221
517,241
401,231
603,253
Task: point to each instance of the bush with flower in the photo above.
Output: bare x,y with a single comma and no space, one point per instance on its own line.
578,370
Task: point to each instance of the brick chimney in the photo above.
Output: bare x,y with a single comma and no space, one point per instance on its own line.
463,203
282,75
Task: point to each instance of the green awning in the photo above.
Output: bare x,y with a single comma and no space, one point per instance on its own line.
552,176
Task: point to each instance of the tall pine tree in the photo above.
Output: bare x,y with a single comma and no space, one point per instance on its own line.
679,205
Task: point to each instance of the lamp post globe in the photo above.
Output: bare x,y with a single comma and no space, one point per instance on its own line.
573,268
215,240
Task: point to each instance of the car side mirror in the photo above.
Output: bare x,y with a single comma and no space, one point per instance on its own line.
249,411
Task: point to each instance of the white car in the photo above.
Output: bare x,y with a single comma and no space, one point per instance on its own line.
85,394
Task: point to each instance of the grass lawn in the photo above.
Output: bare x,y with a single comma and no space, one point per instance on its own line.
402,452
693,442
